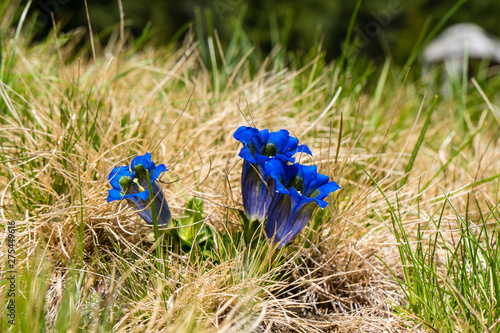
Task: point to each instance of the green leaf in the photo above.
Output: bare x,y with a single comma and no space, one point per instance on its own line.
192,229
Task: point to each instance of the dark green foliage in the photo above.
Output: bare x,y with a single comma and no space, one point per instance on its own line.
383,28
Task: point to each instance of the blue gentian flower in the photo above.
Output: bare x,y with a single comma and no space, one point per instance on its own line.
257,188
300,189
132,184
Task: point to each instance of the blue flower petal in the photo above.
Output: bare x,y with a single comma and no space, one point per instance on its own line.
299,200
267,143
250,190
158,170
144,213
114,194
326,189
161,205
145,161
303,149
287,217
246,134
144,195
281,139
257,190
162,210
250,136
253,141
290,148
277,217
314,181
321,203
281,172
302,209
140,200
260,161
308,173
117,173
247,155
263,137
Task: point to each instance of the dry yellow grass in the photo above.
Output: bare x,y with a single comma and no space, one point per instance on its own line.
70,120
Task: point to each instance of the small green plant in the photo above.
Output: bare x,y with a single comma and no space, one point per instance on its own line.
191,229
449,285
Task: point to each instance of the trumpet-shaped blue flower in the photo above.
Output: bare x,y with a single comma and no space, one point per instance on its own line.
131,183
259,147
300,189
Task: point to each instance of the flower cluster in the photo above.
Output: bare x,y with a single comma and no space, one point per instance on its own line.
277,191
132,183
274,188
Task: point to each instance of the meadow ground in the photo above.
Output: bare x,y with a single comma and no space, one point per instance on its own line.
407,244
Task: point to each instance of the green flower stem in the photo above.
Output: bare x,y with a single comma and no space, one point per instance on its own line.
156,230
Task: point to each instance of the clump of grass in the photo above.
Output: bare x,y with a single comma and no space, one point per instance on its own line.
450,275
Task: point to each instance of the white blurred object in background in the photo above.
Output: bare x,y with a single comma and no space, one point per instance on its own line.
455,46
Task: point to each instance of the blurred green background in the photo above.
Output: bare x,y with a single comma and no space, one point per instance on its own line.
382,27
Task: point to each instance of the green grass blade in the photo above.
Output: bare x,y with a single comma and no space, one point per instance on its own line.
16,38
420,140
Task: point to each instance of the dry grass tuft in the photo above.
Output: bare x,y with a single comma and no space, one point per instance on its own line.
70,120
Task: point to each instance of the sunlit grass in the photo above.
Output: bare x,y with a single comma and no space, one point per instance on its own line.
409,243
